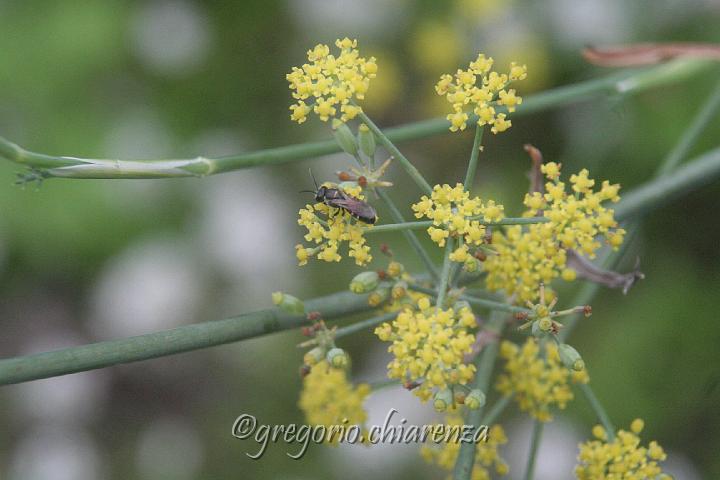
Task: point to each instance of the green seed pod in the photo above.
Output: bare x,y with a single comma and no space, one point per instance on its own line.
443,400
288,303
366,140
337,358
571,358
395,269
378,296
344,137
314,356
364,282
475,399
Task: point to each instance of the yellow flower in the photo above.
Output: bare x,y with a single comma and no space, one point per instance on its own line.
329,84
328,227
455,214
530,255
478,88
624,458
429,346
327,398
487,457
537,379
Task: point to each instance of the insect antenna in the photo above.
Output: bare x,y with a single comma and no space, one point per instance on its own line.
313,177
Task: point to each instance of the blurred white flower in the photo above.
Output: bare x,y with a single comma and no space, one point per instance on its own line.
169,448
171,37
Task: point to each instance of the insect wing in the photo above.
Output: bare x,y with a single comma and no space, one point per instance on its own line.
361,210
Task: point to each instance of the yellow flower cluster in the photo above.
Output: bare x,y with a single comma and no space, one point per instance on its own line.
538,379
483,89
535,254
621,459
455,214
429,345
329,84
328,227
328,398
486,456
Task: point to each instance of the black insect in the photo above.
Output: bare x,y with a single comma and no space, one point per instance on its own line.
337,198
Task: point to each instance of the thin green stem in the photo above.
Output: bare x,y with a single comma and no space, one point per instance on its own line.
625,82
395,152
363,324
599,410
480,302
169,342
381,384
484,363
409,235
393,227
496,410
445,274
534,447
707,112
472,164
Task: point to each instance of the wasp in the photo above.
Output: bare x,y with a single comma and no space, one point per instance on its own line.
338,198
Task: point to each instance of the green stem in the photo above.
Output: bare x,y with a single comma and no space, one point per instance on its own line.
395,152
496,410
169,342
690,136
380,384
599,411
480,302
472,164
409,235
445,275
534,447
393,227
485,363
363,324
627,81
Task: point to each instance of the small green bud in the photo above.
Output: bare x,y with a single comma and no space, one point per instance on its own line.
399,290
460,304
536,331
337,358
364,282
545,324
288,303
571,358
314,356
378,296
366,139
443,400
395,269
471,264
344,137
475,399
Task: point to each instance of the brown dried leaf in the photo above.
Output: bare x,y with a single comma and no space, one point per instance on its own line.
589,271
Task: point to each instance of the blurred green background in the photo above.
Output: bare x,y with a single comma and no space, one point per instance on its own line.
84,261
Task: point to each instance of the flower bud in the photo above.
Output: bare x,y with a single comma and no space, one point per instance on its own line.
460,396
314,356
571,358
395,269
399,290
337,358
366,139
475,399
443,400
545,324
344,137
471,264
378,296
288,303
364,282
460,304
536,332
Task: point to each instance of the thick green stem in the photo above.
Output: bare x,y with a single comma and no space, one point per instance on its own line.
409,235
707,112
599,410
393,227
472,164
485,363
625,82
534,447
169,342
445,275
395,152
